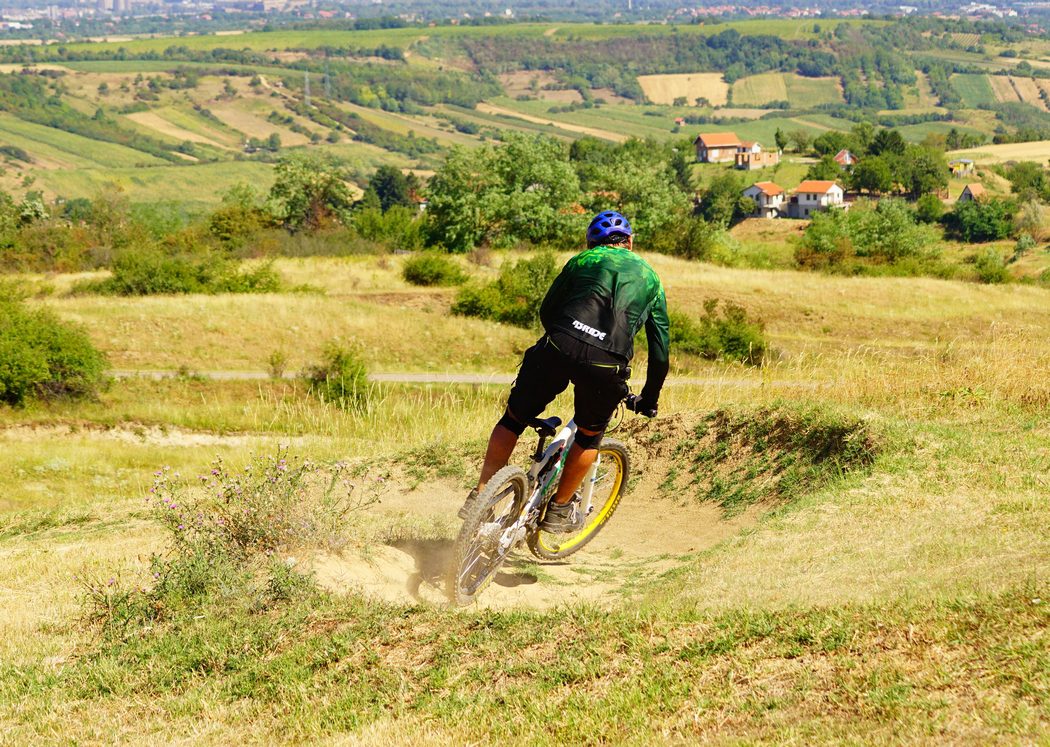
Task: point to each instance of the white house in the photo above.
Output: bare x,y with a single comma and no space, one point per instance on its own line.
814,195
768,198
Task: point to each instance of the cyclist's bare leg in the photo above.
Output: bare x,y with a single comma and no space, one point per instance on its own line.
501,444
576,466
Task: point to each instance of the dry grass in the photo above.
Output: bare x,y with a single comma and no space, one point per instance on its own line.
664,89
952,513
1037,150
1028,91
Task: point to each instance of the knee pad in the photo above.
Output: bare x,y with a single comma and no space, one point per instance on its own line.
588,442
511,423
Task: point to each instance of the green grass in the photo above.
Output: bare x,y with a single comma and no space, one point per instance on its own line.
974,89
202,184
404,37
803,93
69,147
917,132
628,119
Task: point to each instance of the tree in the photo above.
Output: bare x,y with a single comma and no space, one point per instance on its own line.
522,190
800,140
781,139
863,134
826,169
724,203
830,143
873,175
1028,181
391,187
922,170
929,209
273,143
982,220
887,141
308,192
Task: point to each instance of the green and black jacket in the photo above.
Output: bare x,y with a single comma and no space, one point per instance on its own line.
602,297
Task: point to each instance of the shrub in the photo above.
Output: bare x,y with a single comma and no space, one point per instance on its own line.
398,227
152,272
929,208
226,535
431,268
340,378
730,335
990,267
1025,243
981,220
515,296
880,234
42,357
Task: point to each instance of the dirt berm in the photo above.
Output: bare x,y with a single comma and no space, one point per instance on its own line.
696,480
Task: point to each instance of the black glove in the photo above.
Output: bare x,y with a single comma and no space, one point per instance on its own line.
641,406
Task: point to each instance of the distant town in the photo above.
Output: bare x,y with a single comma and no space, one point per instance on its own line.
32,19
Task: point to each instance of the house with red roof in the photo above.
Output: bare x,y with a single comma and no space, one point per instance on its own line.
814,195
972,193
717,147
845,159
768,198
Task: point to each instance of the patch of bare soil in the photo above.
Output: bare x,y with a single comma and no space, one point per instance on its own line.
128,433
647,536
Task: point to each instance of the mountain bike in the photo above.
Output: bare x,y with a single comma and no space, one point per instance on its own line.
508,511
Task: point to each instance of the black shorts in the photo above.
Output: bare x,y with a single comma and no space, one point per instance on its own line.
599,383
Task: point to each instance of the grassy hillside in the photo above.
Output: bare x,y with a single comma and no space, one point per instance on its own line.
898,600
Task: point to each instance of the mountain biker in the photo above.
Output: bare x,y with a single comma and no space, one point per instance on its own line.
590,315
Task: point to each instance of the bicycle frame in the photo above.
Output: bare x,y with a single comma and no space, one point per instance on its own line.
547,466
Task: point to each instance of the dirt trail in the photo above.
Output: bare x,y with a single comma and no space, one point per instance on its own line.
593,131
647,536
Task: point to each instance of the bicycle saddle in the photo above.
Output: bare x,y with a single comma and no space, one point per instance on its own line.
546,426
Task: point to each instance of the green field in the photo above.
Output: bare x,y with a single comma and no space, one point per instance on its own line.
974,89
803,93
405,37
199,184
69,147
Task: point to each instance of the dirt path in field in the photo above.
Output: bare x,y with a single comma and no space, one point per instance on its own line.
593,131
650,534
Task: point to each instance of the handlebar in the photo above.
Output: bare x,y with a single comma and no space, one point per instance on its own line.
631,402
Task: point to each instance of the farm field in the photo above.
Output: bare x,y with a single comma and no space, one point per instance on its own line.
907,588
974,89
801,92
199,184
1038,150
664,89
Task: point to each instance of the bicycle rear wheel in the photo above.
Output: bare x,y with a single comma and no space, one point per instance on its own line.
477,554
610,479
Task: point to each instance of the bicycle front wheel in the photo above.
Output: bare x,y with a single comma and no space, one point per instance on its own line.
609,482
479,550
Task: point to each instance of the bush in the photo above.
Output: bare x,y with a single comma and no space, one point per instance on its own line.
153,272
981,220
880,234
515,296
990,267
398,227
929,208
430,268
42,357
730,335
340,378
225,538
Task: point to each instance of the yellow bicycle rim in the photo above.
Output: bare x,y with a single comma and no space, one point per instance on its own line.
599,518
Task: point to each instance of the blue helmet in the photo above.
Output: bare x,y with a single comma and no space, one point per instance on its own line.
606,225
